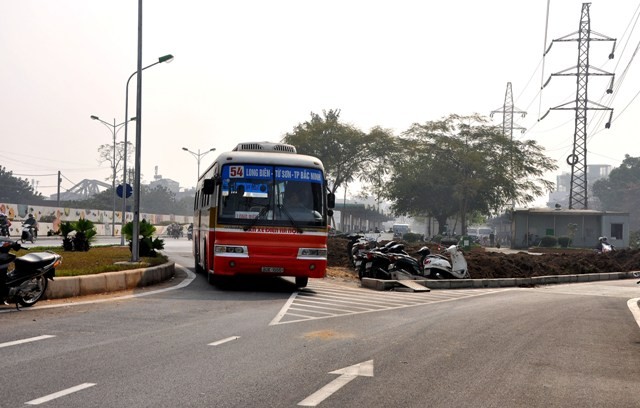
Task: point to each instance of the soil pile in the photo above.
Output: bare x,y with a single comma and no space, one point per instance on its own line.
484,264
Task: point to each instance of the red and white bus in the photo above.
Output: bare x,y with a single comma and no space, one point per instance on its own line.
262,209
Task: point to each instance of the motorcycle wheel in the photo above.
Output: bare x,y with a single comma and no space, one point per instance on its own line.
33,296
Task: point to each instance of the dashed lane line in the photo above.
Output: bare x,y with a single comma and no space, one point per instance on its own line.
323,300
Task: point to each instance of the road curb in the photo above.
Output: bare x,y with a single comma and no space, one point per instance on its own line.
72,286
381,284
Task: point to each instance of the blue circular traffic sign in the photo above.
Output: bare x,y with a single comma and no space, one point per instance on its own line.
120,188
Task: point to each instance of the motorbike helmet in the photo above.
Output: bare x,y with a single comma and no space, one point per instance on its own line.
30,215
602,239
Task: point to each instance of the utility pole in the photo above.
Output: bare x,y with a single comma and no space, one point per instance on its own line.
578,157
58,195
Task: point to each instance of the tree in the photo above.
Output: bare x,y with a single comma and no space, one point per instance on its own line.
105,153
342,148
621,190
157,200
382,147
459,165
14,189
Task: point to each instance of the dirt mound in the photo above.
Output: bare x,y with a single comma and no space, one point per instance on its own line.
485,264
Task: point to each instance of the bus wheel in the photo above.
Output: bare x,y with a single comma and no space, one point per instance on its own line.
197,264
302,281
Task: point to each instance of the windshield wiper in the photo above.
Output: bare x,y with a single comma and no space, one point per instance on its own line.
293,222
255,220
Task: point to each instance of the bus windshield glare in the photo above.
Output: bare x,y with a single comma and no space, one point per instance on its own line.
271,195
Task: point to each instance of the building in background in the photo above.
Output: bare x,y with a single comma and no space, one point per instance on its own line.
560,197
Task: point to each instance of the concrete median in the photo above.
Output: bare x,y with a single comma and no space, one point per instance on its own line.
71,286
380,284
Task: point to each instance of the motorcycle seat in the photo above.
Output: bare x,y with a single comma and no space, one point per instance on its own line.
35,260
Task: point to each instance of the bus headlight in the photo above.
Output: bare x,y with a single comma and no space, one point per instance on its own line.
312,253
240,251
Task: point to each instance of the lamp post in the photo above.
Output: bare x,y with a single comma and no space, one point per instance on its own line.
166,58
114,129
198,156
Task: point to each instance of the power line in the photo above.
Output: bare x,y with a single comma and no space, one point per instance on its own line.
34,175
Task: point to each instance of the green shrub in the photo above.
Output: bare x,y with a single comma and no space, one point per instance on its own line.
564,242
147,245
85,233
548,241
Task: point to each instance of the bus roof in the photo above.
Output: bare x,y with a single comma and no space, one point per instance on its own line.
268,158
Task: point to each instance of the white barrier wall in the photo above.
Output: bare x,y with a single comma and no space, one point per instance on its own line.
102,219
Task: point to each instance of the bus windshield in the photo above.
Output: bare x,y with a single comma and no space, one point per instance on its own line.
253,194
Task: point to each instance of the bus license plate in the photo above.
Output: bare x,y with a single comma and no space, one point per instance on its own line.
272,269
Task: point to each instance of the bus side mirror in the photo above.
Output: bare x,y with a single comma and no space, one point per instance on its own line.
331,200
330,213
209,186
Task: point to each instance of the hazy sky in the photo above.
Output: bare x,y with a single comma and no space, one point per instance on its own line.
252,70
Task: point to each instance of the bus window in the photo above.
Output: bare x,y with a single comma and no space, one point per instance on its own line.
264,191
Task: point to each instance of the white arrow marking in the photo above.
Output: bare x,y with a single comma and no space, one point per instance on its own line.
347,374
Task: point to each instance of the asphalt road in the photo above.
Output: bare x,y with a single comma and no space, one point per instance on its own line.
259,343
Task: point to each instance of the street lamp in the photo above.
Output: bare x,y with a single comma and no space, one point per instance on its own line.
198,156
114,129
166,58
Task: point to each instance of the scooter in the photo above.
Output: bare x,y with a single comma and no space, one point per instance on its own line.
27,233
27,282
606,248
436,266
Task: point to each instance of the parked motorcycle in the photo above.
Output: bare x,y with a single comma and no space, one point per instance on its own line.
359,248
380,263
27,282
437,266
28,233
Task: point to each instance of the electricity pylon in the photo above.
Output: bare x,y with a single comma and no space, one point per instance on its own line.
507,111
578,157
508,126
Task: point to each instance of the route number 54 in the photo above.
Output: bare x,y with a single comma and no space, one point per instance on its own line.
236,171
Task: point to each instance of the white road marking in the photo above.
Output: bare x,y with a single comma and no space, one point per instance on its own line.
347,374
59,394
323,300
228,339
14,343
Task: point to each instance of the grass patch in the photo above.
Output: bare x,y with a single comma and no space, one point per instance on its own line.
97,260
